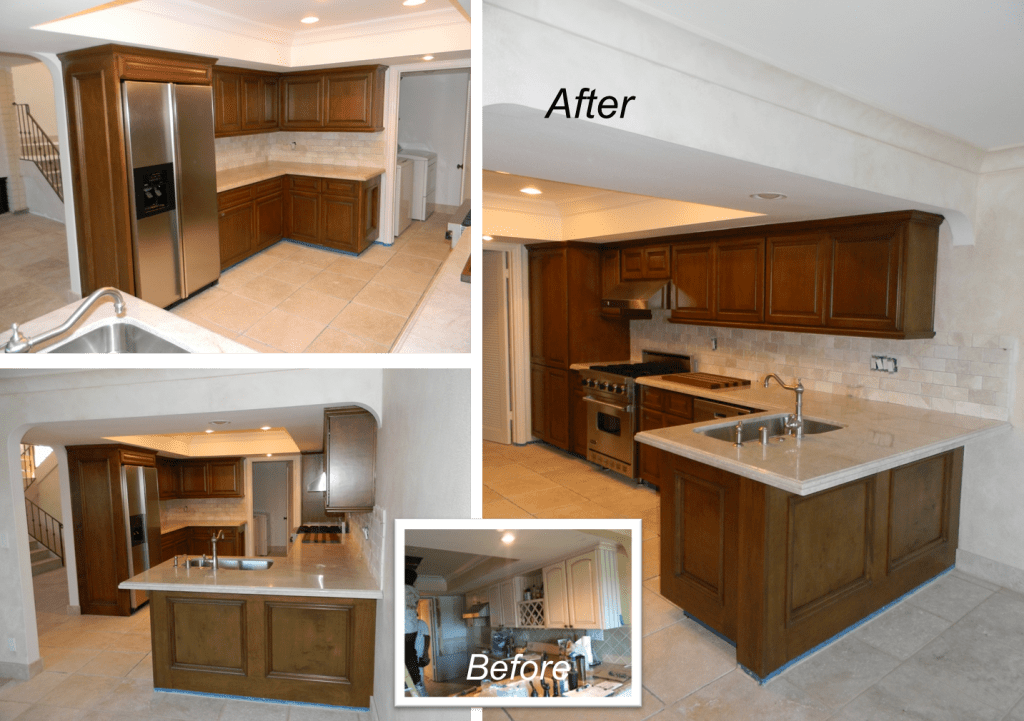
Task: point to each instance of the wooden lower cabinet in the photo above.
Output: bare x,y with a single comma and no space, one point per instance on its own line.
578,416
290,648
659,408
549,394
200,541
779,573
175,543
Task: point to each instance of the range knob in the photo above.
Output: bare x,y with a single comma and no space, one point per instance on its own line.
583,381
603,385
591,382
620,389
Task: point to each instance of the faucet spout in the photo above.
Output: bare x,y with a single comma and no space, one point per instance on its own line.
18,343
795,422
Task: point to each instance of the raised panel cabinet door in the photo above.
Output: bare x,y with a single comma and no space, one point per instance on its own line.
338,222
584,599
739,280
301,102
226,479
795,270
657,261
611,276
271,100
303,216
369,226
693,268
578,437
195,480
252,102
650,457
865,277
269,220
557,384
540,425
227,117
508,604
549,307
556,596
632,263
350,451
494,605
235,226
354,100
168,478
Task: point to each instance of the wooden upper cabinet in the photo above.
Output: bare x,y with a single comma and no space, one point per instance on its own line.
195,479
693,273
350,454
168,477
302,102
353,100
227,103
795,273
226,478
865,277
549,307
259,103
611,276
739,280
647,263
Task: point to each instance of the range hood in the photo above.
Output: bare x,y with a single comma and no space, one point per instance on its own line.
480,610
633,298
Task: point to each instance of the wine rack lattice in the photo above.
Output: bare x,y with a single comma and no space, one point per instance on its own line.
531,613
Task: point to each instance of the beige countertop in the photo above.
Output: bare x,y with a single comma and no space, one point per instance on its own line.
248,174
336,570
193,338
875,436
172,526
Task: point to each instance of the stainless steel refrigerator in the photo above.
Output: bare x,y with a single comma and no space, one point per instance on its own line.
141,496
172,184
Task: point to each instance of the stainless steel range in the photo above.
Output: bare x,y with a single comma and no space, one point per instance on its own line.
612,407
320,534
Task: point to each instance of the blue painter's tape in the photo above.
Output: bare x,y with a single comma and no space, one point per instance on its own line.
823,644
261,700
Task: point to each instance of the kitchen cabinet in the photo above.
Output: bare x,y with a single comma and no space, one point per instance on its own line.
611,276
168,478
350,452
175,543
93,93
347,99
336,214
650,262
244,101
796,268
865,270
303,209
566,327
200,540
721,280
201,478
583,591
227,92
98,520
250,219
578,416
660,408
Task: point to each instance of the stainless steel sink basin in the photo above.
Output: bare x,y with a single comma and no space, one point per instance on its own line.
233,564
775,425
118,338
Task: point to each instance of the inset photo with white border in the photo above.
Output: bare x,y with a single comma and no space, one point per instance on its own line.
518,612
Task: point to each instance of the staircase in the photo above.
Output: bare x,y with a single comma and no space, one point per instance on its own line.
37,147
43,559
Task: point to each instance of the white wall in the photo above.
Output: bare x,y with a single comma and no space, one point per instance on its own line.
423,471
10,145
29,399
33,85
705,96
45,490
40,197
432,116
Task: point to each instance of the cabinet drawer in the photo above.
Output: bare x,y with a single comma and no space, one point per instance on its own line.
679,404
299,182
653,398
236,196
348,188
269,187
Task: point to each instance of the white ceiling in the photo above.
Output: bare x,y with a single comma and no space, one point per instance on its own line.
954,66
285,15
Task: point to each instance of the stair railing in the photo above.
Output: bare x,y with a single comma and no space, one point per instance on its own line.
45,528
28,465
37,147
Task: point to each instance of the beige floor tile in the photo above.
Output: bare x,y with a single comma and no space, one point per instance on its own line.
315,306
682,658
541,503
335,341
286,332
738,697
340,286
402,279
255,345
504,509
267,290
658,612
231,280
950,597
34,689
253,711
902,630
434,249
185,707
370,323
651,706
282,250
291,272
10,710
210,325
354,267
143,670
112,663
132,642
70,659
257,264
652,560
839,673
314,256
44,712
414,263
236,313
208,297
377,254
78,691
392,300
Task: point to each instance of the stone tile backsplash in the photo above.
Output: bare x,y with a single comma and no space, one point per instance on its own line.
201,510
970,374
366,149
371,545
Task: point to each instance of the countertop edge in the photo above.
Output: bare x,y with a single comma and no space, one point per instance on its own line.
262,171
820,483
252,590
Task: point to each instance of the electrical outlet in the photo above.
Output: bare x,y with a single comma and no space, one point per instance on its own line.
883,363
12,645
714,344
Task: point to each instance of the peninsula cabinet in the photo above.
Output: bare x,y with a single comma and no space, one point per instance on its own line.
350,453
333,213
583,591
779,573
566,327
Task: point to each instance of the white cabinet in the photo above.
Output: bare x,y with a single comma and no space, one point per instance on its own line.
583,591
494,605
501,598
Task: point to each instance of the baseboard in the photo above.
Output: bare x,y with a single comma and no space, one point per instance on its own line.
74,610
986,569
20,671
374,716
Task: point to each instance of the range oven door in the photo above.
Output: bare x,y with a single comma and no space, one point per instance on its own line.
610,431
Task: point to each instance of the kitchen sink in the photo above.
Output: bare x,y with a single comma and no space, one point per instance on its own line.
775,424
118,338
232,564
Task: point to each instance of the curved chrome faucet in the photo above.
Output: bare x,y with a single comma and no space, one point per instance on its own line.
218,536
795,422
18,343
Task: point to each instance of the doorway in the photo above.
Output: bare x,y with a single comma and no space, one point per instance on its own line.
272,506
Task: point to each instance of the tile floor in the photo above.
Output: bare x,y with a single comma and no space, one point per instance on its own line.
33,268
97,668
953,650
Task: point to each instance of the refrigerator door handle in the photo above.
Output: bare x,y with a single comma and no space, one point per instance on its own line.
176,150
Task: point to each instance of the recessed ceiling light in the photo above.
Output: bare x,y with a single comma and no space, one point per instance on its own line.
503,172
264,428
769,196
219,423
487,237
529,191
410,3
209,430
269,455
428,57
508,538
310,19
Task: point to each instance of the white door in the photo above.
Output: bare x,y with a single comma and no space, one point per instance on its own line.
497,412
584,611
556,596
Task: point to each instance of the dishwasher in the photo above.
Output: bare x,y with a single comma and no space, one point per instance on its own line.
705,410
